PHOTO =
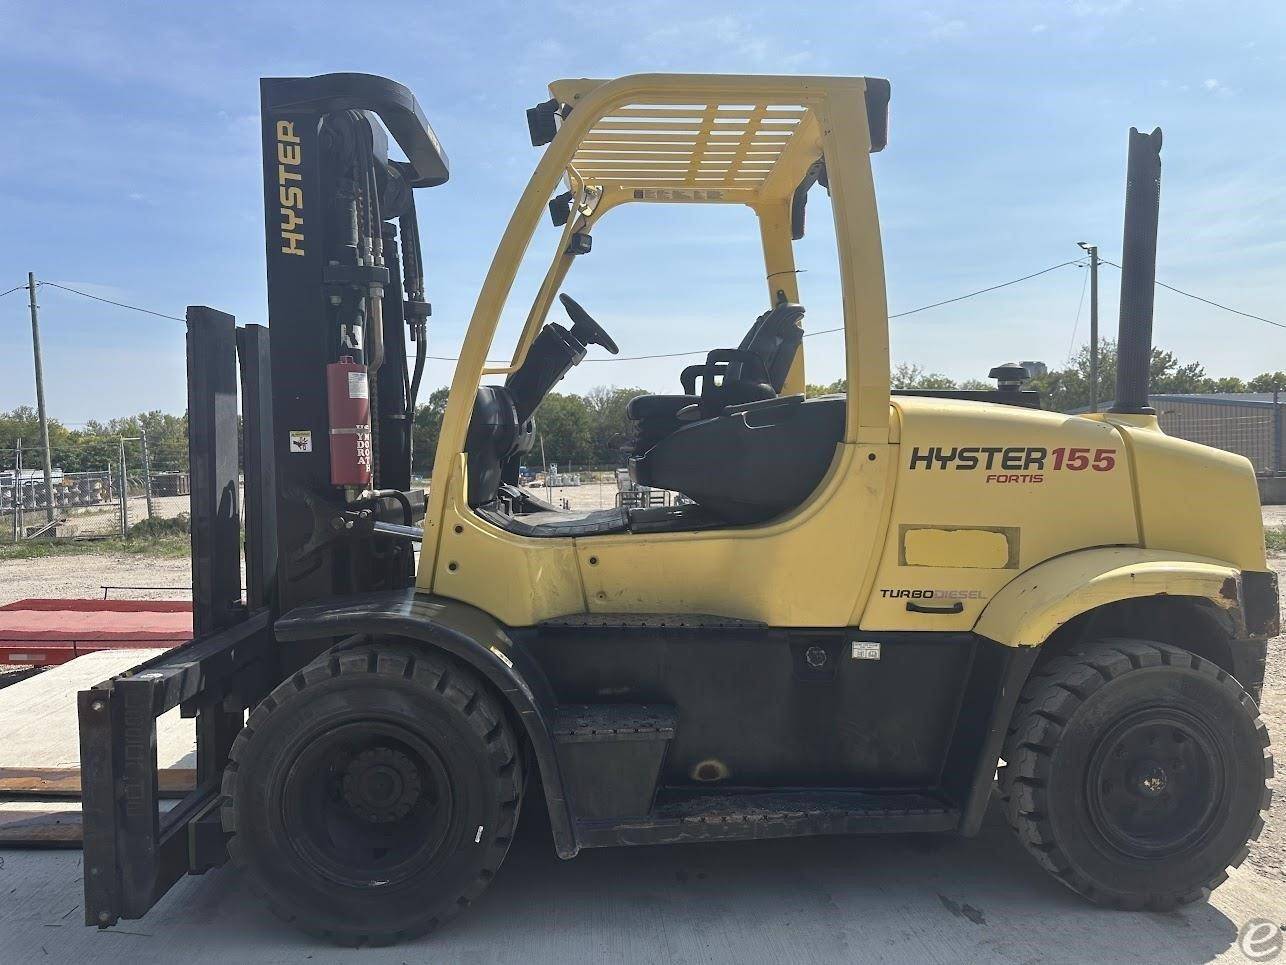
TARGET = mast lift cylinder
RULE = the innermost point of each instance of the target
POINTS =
(348, 400)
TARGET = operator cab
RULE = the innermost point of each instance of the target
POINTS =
(734, 447)
(740, 444)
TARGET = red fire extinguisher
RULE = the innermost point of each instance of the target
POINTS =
(348, 400)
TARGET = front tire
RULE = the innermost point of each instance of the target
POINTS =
(1136, 773)
(373, 795)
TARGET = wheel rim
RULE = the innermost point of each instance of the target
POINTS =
(1156, 783)
(368, 804)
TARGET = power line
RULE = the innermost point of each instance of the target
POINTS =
(1079, 305)
(133, 308)
(823, 331)
(12, 290)
(980, 291)
(1207, 301)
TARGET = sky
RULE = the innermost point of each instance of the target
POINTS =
(131, 171)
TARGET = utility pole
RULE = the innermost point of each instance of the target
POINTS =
(1092, 251)
(124, 494)
(147, 473)
(1278, 463)
(19, 528)
(40, 398)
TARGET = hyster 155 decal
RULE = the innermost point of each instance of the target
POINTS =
(1013, 464)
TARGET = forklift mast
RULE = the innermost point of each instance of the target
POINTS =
(340, 302)
(325, 453)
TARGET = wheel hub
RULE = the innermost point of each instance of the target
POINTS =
(1156, 783)
(381, 785)
(1150, 779)
(368, 801)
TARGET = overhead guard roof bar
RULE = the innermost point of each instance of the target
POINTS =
(730, 147)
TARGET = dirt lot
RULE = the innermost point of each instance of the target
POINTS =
(83, 577)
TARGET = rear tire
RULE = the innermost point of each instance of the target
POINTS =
(1136, 773)
(373, 795)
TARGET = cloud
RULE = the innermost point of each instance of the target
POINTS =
(1099, 8)
(1039, 28)
(942, 28)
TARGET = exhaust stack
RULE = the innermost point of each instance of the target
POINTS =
(1138, 272)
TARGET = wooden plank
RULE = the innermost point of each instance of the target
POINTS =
(64, 782)
(39, 829)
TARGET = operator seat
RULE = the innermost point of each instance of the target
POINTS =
(751, 462)
(755, 370)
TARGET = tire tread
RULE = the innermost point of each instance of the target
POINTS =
(479, 709)
(1052, 695)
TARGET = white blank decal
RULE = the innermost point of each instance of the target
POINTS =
(478, 837)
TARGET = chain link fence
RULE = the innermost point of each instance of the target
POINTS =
(1251, 427)
(111, 501)
(583, 488)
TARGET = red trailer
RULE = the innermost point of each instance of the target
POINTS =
(48, 632)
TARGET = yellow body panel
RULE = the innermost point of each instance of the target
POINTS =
(1195, 498)
(519, 581)
(1036, 604)
(936, 514)
(808, 568)
(1037, 513)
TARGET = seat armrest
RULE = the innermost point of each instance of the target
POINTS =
(759, 371)
(688, 377)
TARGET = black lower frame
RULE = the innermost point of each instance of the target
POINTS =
(772, 732)
(133, 852)
(617, 710)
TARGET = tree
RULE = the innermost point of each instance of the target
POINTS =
(425, 429)
(1229, 383)
(611, 429)
(908, 376)
(1267, 381)
(566, 427)
(837, 387)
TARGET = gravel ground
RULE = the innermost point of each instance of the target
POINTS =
(1268, 854)
(83, 577)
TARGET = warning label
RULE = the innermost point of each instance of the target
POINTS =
(301, 440)
(357, 388)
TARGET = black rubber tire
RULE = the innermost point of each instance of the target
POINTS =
(1069, 707)
(421, 693)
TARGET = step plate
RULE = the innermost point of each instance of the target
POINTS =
(580, 723)
(724, 817)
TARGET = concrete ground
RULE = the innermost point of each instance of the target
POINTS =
(896, 899)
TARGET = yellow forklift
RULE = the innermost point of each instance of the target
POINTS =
(870, 612)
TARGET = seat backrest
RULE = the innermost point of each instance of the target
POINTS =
(493, 435)
(775, 337)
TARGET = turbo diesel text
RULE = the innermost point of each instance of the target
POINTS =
(1017, 464)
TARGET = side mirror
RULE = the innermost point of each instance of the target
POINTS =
(542, 122)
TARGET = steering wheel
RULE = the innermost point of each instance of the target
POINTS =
(584, 327)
